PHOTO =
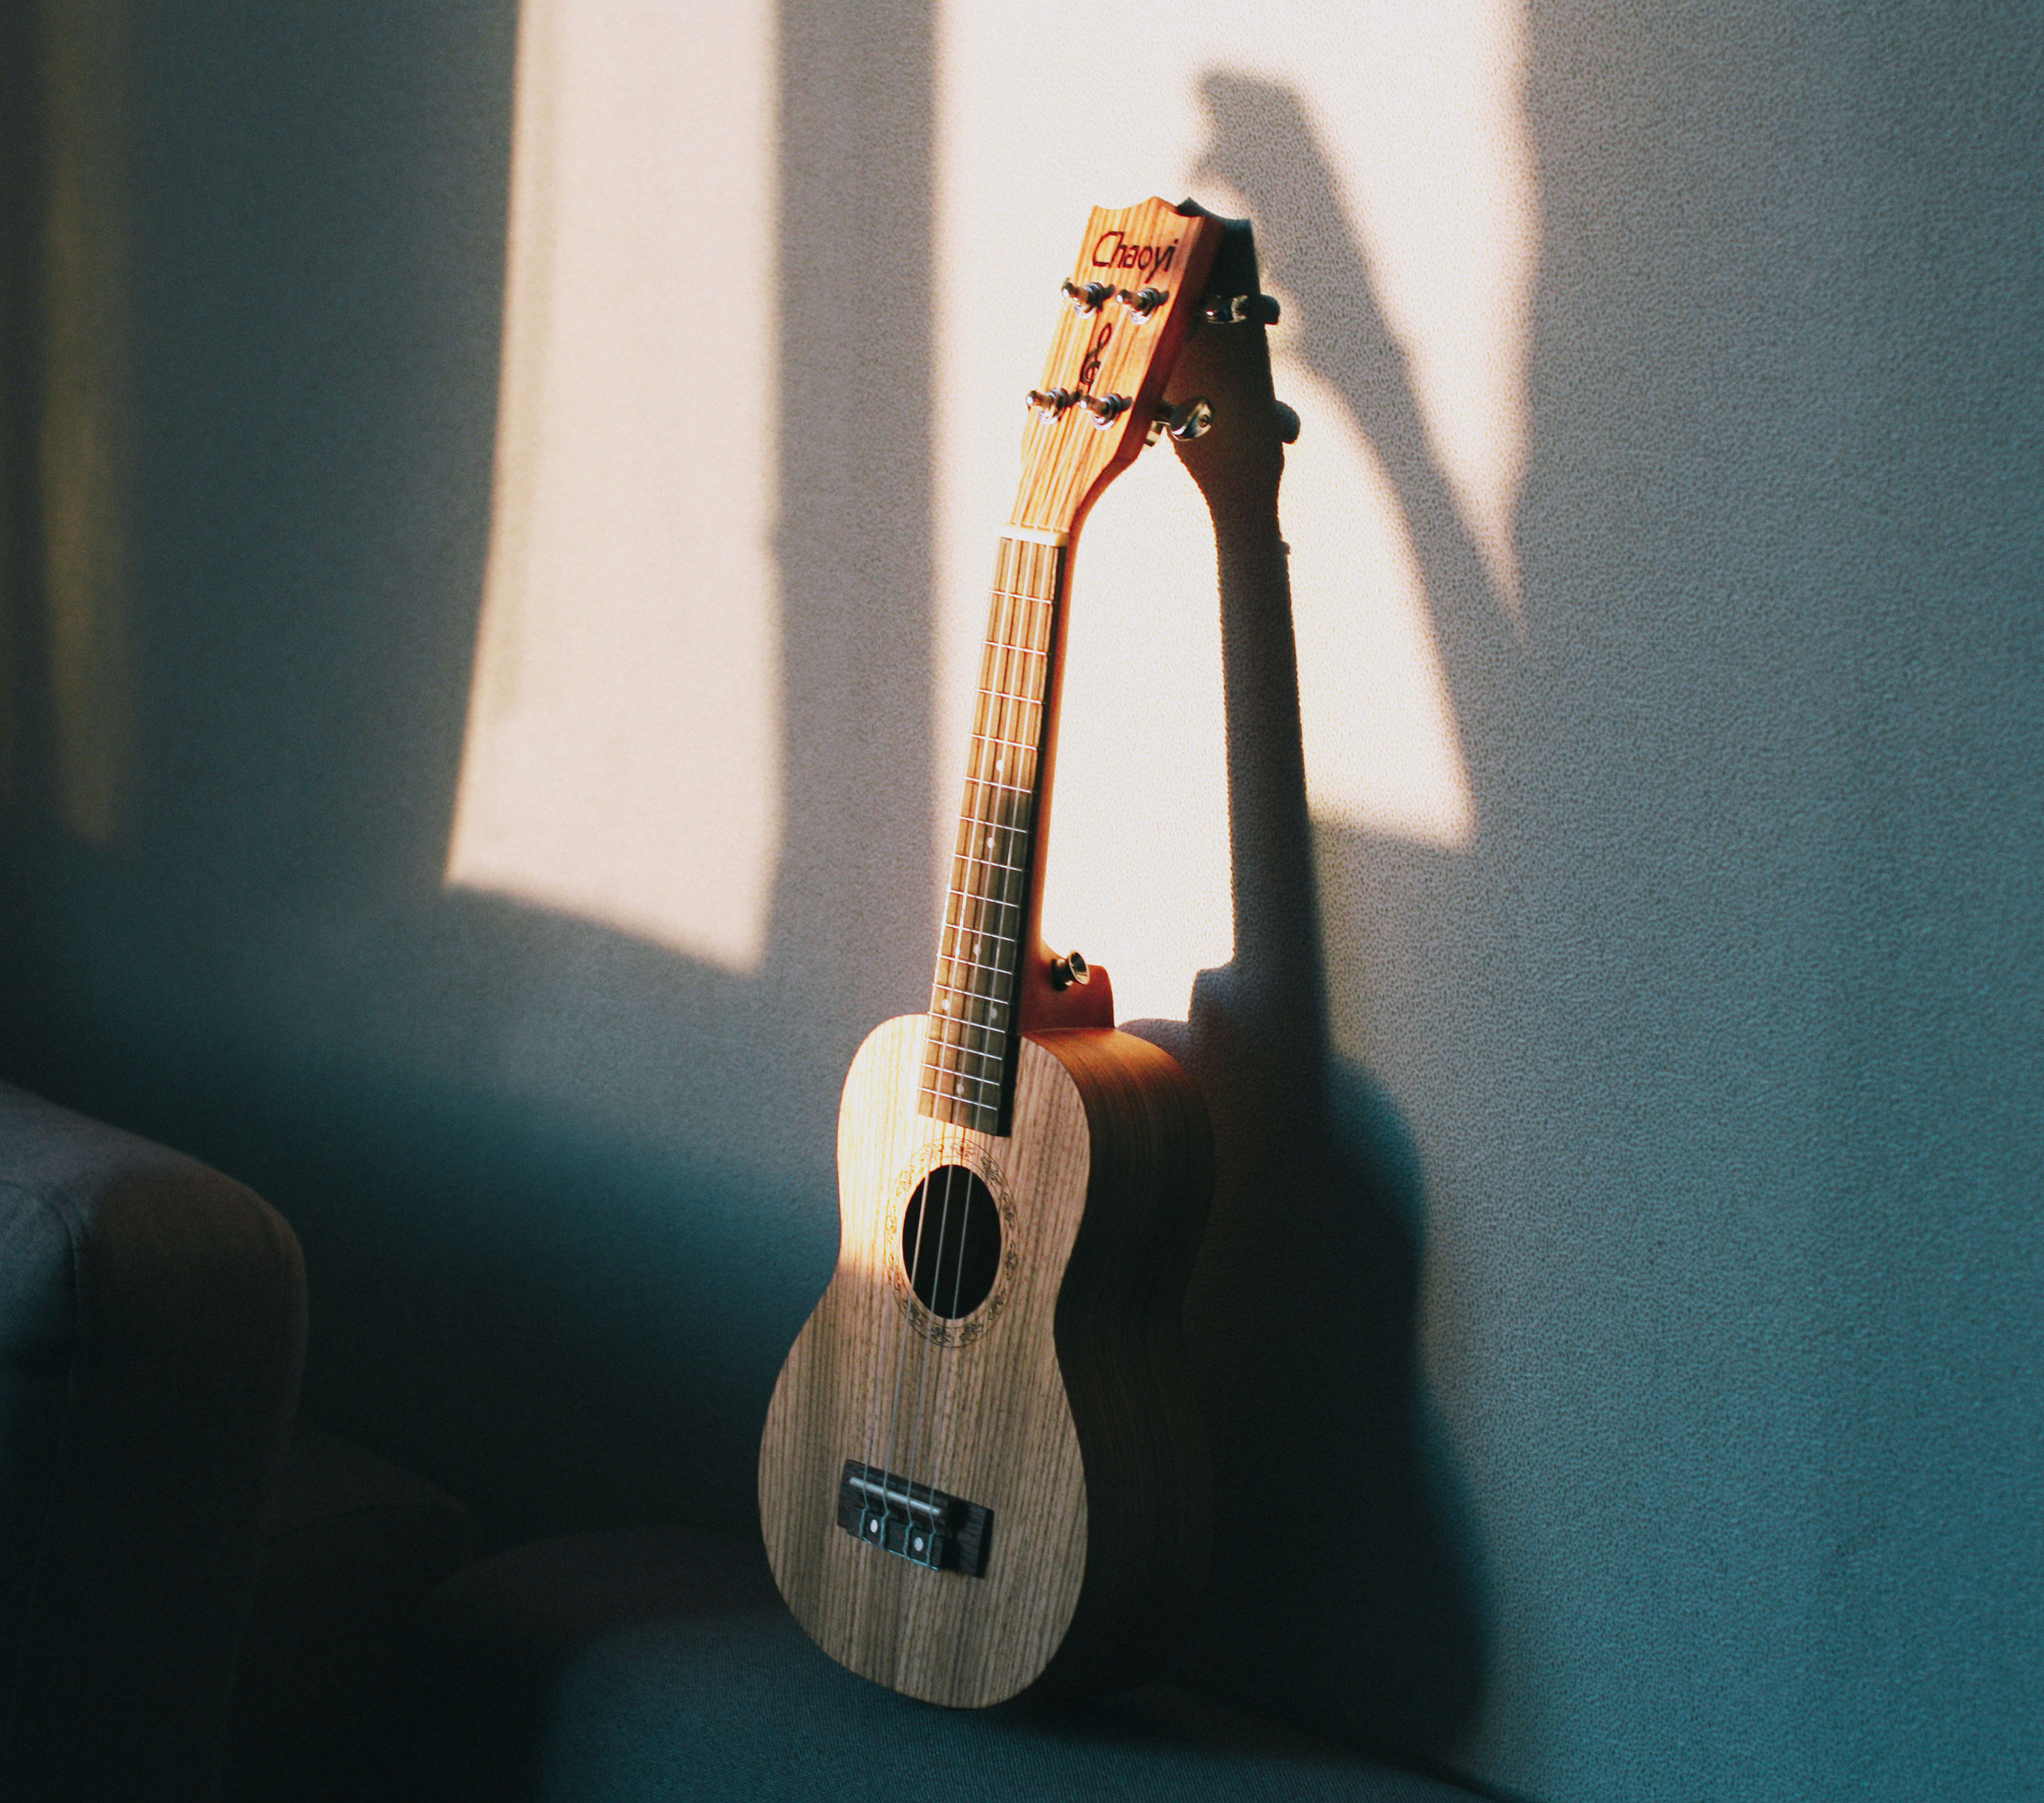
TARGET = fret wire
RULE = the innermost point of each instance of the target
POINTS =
(944, 1069)
(1016, 744)
(1002, 723)
(994, 1058)
(950, 1100)
(980, 831)
(988, 933)
(954, 954)
(955, 922)
(980, 875)
(983, 1032)
(984, 929)
(995, 775)
(984, 766)
(982, 934)
(976, 1019)
(985, 1029)
(952, 918)
(990, 1064)
(943, 1050)
(981, 928)
(964, 882)
(969, 1006)
(994, 832)
(994, 1036)
(991, 1050)
(968, 990)
(972, 1024)
(956, 961)
(1019, 647)
(986, 863)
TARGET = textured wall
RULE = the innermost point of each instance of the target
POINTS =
(1659, 1263)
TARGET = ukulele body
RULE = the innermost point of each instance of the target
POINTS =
(1046, 1435)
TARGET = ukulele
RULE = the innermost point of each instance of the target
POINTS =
(983, 1472)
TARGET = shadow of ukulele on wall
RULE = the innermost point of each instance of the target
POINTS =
(1346, 1592)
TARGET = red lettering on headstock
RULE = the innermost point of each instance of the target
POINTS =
(1145, 259)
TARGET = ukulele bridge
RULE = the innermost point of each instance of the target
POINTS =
(915, 1521)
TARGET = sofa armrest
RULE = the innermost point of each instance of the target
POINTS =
(152, 1319)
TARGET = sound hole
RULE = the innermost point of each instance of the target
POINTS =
(950, 1242)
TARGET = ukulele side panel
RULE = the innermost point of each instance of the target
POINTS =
(983, 1418)
(1121, 1349)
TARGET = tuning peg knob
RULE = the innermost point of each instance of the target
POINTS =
(1087, 299)
(1070, 969)
(1106, 407)
(1050, 402)
(1240, 309)
(1143, 302)
(1288, 424)
(1189, 420)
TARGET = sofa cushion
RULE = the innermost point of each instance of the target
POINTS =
(351, 1549)
(659, 1663)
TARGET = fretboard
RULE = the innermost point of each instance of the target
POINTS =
(969, 1067)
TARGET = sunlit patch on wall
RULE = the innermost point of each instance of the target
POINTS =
(622, 759)
(1382, 753)
(1384, 151)
(81, 654)
(1138, 830)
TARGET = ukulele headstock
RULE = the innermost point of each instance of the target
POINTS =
(1136, 288)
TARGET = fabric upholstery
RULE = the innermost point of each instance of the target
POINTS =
(153, 1320)
(659, 1663)
(351, 1549)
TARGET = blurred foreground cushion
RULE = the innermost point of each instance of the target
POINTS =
(351, 1550)
(659, 1663)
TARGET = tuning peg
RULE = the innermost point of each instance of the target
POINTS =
(1143, 303)
(1068, 969)
(1288, 424)
(1051, 403)
(1104, 407)
(1189, 420)
(1087, 299)
(1240, 309)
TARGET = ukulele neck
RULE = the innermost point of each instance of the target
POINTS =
(989, 911)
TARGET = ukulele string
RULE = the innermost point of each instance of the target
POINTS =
(1021, 692)
(1000, 704)
(933, 1350)
(980, 796)
(888, 1249)
(887, 1472)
